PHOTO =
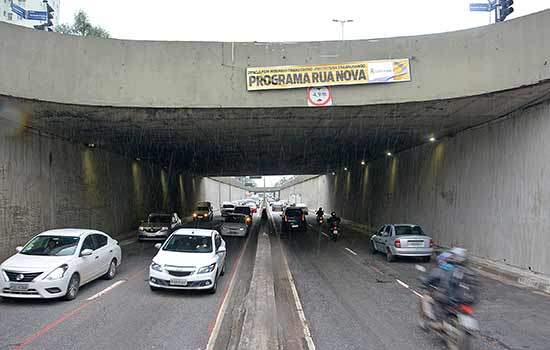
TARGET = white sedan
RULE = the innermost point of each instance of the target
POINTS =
(189, 259)
(56, 263)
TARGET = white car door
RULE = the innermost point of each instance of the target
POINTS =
(87, 263)
(220, 243)
(386, 237)
(104, 252)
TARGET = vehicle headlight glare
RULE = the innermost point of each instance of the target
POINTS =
(141, 228)
(156, 267)
(207, 269)
(57, 273)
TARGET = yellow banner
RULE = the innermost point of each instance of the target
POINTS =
(290, 77)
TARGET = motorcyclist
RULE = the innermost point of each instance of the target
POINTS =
(334, 219)
(447, 281)
(320, 212)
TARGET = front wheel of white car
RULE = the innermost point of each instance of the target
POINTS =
(72, 287)
(214, 286)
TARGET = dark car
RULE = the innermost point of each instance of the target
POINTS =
(294, 219)
(158, 226)
(243, 209)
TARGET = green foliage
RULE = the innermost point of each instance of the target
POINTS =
(82, 27)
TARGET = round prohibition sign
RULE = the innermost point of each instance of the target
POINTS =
(319, 96)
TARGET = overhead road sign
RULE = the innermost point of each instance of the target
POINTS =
(480, 7)
(18, 10)
(291, 77)
(37, 15)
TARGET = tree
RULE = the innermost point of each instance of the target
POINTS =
(82, 27)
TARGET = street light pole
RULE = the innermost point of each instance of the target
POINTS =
(342, 22)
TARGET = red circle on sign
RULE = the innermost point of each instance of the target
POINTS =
(316, 103)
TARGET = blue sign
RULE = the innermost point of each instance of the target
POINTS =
(481, 7)
(18, 10)
(37, 15)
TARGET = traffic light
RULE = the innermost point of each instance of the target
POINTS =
(49, 16)
(505, 9)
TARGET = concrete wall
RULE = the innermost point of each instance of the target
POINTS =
(90, 71)
(47, 183)
(486, 189)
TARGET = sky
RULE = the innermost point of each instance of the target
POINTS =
(281, 20)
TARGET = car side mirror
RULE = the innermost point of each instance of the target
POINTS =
(86, 252)
(158, 245)
(221, 249)
(19, 249)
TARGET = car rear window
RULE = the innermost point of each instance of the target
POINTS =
(228, 206)
(294, 212)
(408, 230)
(242, 210)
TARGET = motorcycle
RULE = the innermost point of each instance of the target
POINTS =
(457, 328)
(320, 219)
(334, 231)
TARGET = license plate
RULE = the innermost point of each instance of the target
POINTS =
(294, 226)
(416, 244)
(468, 322)
(335, 232)
(178, 282)
(19, 286)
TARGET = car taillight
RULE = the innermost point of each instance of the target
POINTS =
(303, 217)
(465, 309)
(431, 243)
(285, 218)
(397, 243)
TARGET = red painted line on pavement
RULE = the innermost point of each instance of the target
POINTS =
(46, 329)
(60, 320)
(222, 299)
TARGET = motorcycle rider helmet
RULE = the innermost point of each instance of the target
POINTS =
(458, 255)
(442, 258)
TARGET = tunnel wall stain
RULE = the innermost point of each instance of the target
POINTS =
(486, 189)
(48, 183)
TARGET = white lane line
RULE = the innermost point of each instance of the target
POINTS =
(351, 251)
(106, 290)
(324, 234)
(409, 288)
(402, 283)
(305, 327)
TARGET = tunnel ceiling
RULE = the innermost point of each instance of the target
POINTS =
(244, 141)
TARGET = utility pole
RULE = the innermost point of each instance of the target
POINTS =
(342, 22)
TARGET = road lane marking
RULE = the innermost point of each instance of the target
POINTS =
(403, 284)
(106, 290)
(49, 327)
(351, 251)
(215, 325)
(324, 234)
(301, 314)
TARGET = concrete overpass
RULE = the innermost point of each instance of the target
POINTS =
(186, 103)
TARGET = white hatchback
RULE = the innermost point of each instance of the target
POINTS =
(56, 263)
(189, 259)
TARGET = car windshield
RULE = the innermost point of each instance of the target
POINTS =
(51, 246)
(160, 219)
(242, 210)
(202, 208)
(189, 244)
(235, 218)
(408, 230)
(294, 212)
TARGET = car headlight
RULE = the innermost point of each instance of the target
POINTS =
(242, 229)
(156, 267)
(3, 276)
(141, 228)
(164, 228)
(194, 215)
(207, 269)
(58, 273)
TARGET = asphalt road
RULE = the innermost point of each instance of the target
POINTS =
(130, 316)
(352, 299)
